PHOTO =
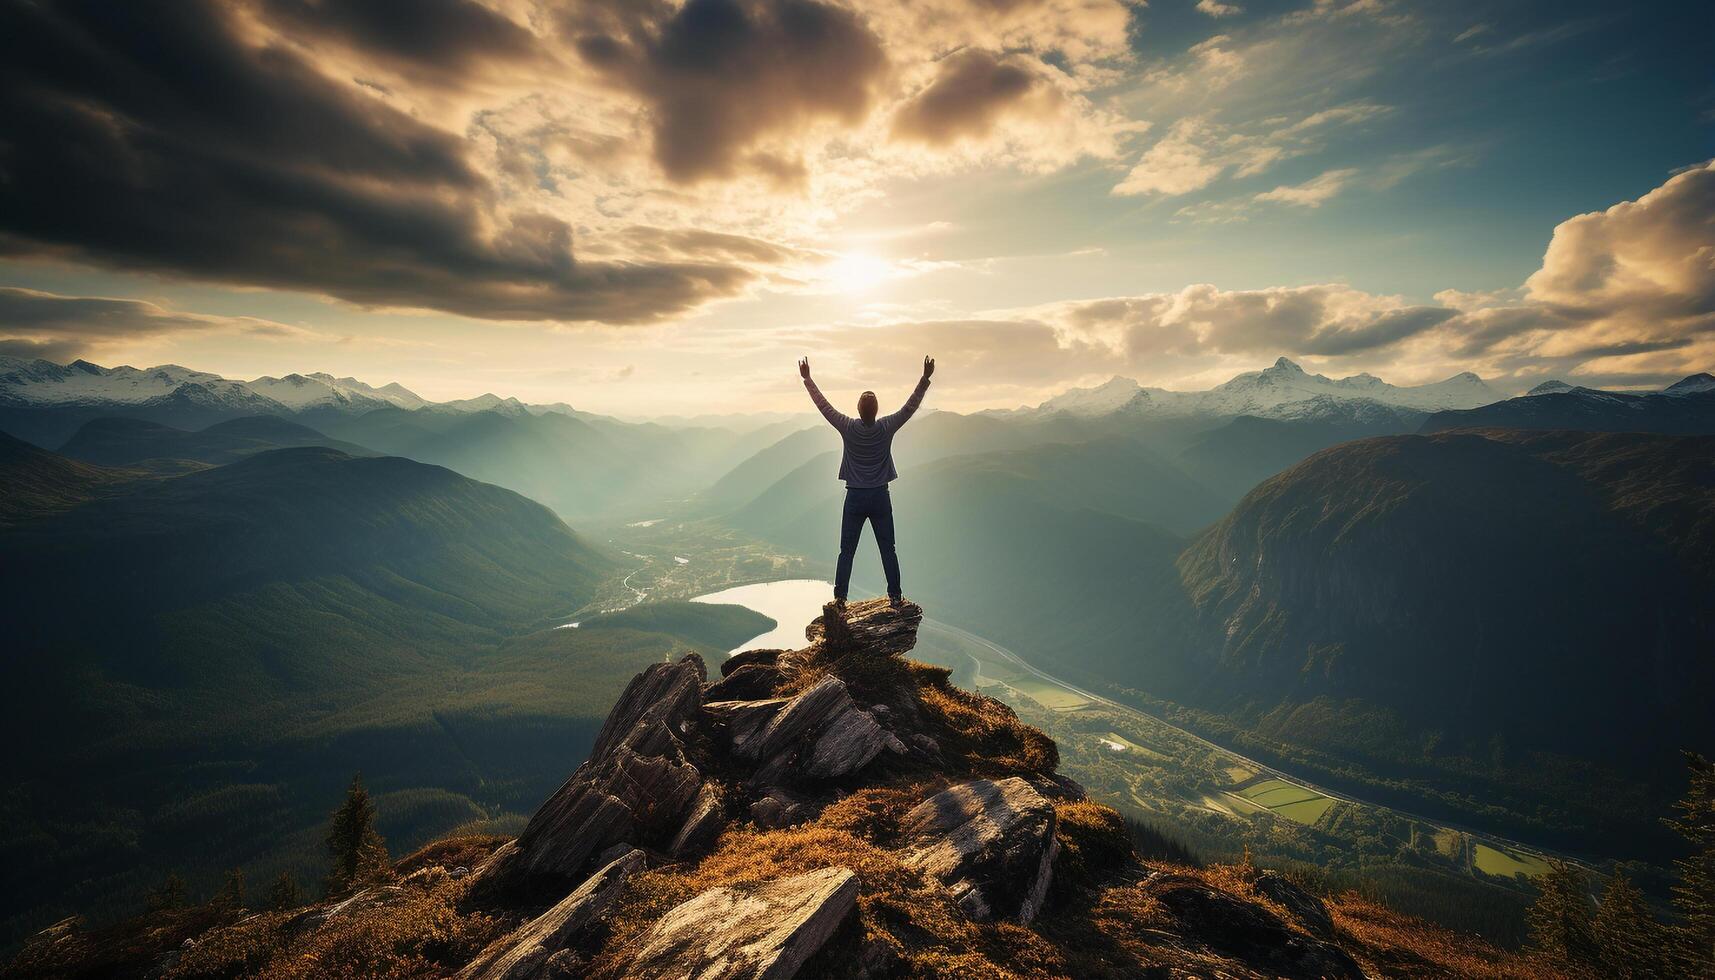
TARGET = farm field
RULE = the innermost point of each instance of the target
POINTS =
(1153, 769)
(1506, 862)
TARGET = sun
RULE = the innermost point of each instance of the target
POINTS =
(854, 272)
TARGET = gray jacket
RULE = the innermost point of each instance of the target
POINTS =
(868, 457)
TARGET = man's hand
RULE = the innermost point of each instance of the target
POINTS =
(804, 368)
(928, 366)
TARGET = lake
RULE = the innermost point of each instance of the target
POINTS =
(791, 604)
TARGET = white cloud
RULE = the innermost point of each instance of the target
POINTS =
(1313, 193)
(1198, 151)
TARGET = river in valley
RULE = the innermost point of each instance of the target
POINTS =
(791, 604)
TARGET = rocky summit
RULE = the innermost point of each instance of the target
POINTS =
(837, 810)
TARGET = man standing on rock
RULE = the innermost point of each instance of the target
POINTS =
(867, 467)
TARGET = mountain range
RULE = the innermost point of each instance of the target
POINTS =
(1279, 391)
(198, 661)
(1685, 407)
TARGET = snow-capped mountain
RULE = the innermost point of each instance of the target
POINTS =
(1103, 399)
(1691, 385)
(1283, 390)
(80, 382)
(486, 402)
(46, 384)
(303, 391)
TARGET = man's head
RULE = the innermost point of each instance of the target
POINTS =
(868, 406)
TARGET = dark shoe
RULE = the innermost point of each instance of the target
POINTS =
(839, 605)
(896, 601)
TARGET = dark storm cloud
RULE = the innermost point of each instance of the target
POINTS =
(971, 90)
(48, 325)
(721, 76)
(438, 35)
(148, 135)
(47, 350)
(1381, 331)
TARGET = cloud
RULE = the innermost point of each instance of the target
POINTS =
(1197, 151)
(1625, 292)
(1649, 258)
(1178, 163)
(154, 136)
(437, 40)
(970, 92)
(41, 324)
(1313, 193)
(1215, 8)
(721, 77)
(1327, 319)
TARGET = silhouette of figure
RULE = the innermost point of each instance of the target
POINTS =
(867, 467)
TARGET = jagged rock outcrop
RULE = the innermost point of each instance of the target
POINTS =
(873, 626)
(1224, 924)
(525, 953)
(1309, 911)
(703, 824)
(747, 658)
(751, 682)
(820, 733)
(750, 932)
(990, 842)
(638, 786)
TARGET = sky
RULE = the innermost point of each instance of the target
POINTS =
(653, 207)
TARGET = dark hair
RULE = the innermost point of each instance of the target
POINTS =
(868, 406)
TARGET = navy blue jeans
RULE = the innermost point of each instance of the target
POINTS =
(870, 504)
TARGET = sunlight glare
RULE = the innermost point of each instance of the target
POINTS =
(855, 272)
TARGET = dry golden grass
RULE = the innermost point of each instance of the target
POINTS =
(1390, 944)
(416, 932)
(982, 735)
(451, 852)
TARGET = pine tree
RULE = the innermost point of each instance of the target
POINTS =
(1694, 895)
(359, 853)
(171, 894)
(1560, 926)
(232, 892)
(1628, 939)
(284, 894)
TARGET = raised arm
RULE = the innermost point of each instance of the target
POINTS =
(829, 412)
(909, 409)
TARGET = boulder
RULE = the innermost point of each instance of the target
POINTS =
(524, 953)
(704, 823)
(820, 734)
(1309, 911)
(748, 657)
(748, 683)
(748, 932)
(810, 710)
(780, 807)
(851, 739)
(638, 784)
(1248, 932)
(873, 625)
(742, 721)
(991, 842)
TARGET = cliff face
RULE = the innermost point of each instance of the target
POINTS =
(832, 811)
(1441, 576)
